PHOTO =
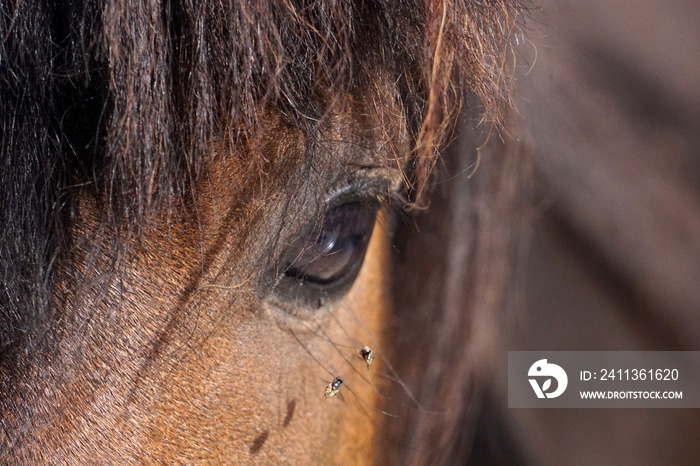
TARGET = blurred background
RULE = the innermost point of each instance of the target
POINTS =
(610, 109)
(577, 228)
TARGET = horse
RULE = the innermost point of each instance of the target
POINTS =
(190, 264)
(265, 232)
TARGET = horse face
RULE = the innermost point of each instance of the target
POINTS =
(218, 330)
(191, 265)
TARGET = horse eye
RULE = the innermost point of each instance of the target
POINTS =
(335, 248)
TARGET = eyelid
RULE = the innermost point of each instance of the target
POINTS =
(358, 190)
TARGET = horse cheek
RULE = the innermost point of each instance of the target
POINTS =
(364, 316)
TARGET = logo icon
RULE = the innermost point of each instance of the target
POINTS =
(542, 369)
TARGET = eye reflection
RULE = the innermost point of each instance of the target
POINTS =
(335, 248)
